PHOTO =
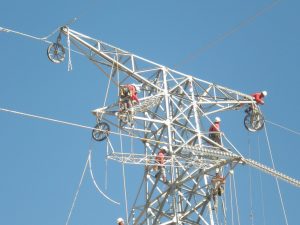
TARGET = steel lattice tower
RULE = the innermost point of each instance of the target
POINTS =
(174, 111)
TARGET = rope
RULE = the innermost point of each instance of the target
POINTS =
(106, 164)
(283, 127)
(123, 165)
(94, 181)
(77, 192)
(223, 36)
(277, 183)
(68, 123)
(261, 186)
(231, 204)
(44, 39)
(236, 201)
(250, 186)
(69, 51)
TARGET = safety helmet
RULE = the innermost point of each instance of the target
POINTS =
(119, 220)
(217, 119)
(265, 93)
(138, 89)
(165, 148)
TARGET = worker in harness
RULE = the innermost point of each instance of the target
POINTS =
(128, 96)
(214, 131)
(217, 189)
(160, 161)
(258, 97)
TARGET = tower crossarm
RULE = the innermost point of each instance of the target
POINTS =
(181, 87)
(272, 172)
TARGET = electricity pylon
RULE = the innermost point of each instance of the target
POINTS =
(175, 110)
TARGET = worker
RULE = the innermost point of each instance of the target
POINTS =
(258, 97)
(214, 131)
(160, 160)
(128, 96)
(134, 90)
(120, 221)
(217, 183)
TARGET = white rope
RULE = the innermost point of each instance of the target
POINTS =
(60, 121)
(231, 201)
(123, 166)
(283, 127)
(277, 183)
(95, 183)
(44, 39)
(250, 185)
(69, 51)
(77, 192)
(261, 185)
(106, 164)
(236, 200)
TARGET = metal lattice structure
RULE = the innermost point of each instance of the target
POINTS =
(175, 110)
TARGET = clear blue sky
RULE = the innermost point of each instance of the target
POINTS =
(41, 162)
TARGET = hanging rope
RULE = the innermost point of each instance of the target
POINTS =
(236, 200)
(231, 204)
(77, 192)
(95, 183)
(277, 183)
(250, 185)
(69, 51)
(106, 161)
(261, 186)
(123, 166)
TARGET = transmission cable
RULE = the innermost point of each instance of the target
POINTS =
(226, 34)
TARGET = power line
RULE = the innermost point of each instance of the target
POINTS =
(223, 36)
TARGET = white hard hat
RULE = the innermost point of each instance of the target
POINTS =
(217, 119)
(164, 148)
(217, 170)
(137, 88)
(265, 93)
(119, 220)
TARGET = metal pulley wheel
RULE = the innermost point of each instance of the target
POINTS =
(101, 131)
(254, 121)
(56, 52)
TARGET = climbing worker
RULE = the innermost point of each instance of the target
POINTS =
(160, 160)
(128, 96)
(125, 99)
(134, 90)
(259, 97)
(217, 183)
(120, 221)
(214, 131)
